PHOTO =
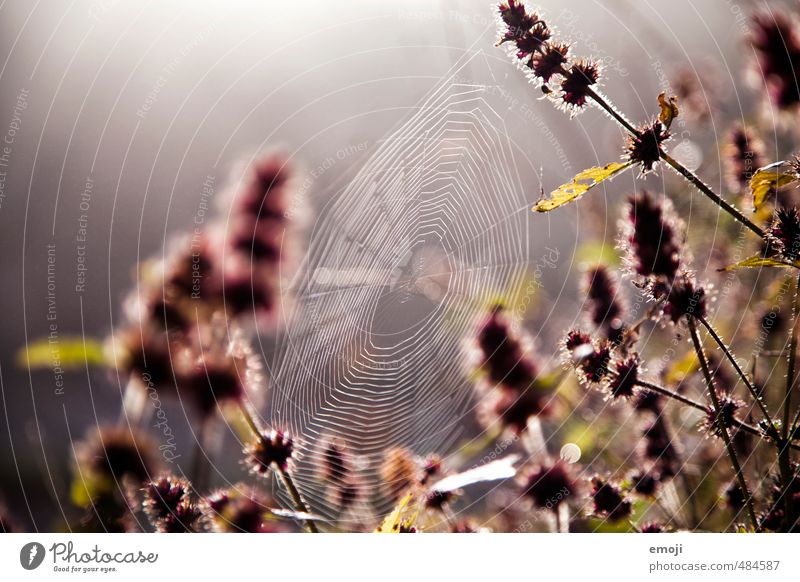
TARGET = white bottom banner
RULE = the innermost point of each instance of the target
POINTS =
(378, 558)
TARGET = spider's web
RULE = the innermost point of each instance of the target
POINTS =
(399, 267)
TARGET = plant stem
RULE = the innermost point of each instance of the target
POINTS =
(784, 452)
(677, 166)
(713, 196)
(698, 406)
(285, 478)
(723, 429)
(754, 393)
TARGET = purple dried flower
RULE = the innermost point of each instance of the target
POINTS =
(577, 83)
(605, 308)
(272, 447)
(645, 483)
(652, 527)
(624, 376)
(645, 148)
(549, 62)
(608, 500)
(503, 355)
(550, 484)
(743, 155)
(654, 248)
(168, 504)
(785, 233)
(777, 46)
(239, 511)
(728, 407)
(685, 299)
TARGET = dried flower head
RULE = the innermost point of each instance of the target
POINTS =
(577, 340)
(512, 409)
(399, 471)
(503, 354)
(652, 527)
(112, 454)
(169, 505)
(644, 148)
(549, 61)
(728, 407)
(609, 502)
(661, 448)
(785, 233)
(623, 377)
(577, 83)
(239, 510)
(654, 249)
(593, 367)
(775, 40)
(273, 447)
(645, 483)
(605, 305)
(743, 155)
(685, 298)
(550, 484)
(516, 20)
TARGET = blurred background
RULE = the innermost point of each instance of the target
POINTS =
(120, 118)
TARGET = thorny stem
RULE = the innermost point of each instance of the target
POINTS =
(723, 429)
(698, 406)
(705, 189)
(712, 332)
(784, 456)
(690, 176)
(285, 478)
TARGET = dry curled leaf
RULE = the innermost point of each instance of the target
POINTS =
(579, 185)
(669, 109)
(771, 177)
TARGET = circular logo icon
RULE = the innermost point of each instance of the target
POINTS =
(31, 555)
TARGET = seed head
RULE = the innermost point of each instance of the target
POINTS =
(512, 409)
(168, 504)
(117, 453)
(577, 83)
(652, 527)
(660, 447)
(785, 233)
(605, 308)
(608, 500)
(645, 483)
(438, 499)
(728, 407)
(645, 148)
(775, 40)
(550, 484)
(624, 376)
(685, 298)
(517, 22)
(239, 510)
(652, 236)
(743, 155)
(549, 62)
(273, 447)
(503, 354)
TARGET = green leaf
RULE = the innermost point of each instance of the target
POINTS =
(759, 261)
(771, 177)
(580, 184)
(68, 353)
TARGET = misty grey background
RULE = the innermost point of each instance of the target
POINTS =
(149, 99)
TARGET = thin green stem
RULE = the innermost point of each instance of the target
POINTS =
(723, 429)
(750, 387)
(284, 476)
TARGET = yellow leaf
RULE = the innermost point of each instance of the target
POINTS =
(580, 184)
(759, 261)
(669, 109)
(770, 177)
(393, 521)
(66, 353)
(682, 369)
